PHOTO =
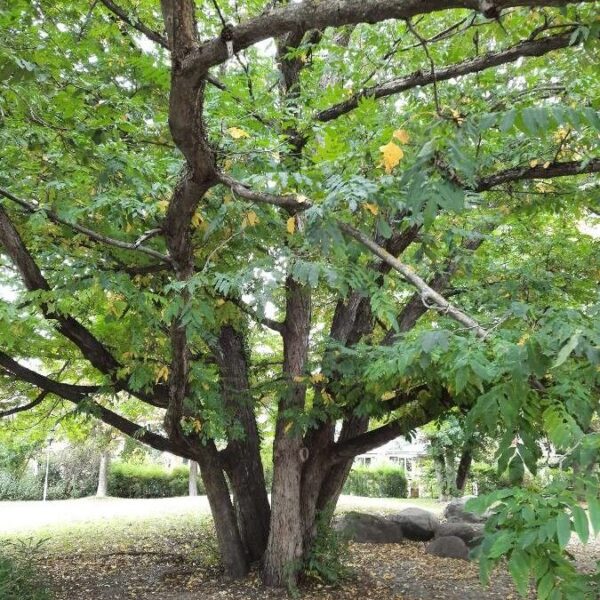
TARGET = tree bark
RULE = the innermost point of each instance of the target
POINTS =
(231, 548)
(193, 479)
(242, 457)
(102, 490)
(285, 546)
(463, 470)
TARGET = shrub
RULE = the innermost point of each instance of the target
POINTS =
(24, 487)
(18, 580)
(128, 480)
(379, 482)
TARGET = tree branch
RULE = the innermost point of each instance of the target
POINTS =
(426, 292)
(33, 208)
(78, 394)
(473, 65)
(335, 13)
(292, 203)
(17, 409)
(552, 170)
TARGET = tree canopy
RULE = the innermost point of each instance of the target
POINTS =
(329, 222)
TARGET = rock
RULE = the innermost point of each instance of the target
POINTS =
(448, 546)
(470, 533)
(417, 524)
(455, 512)
(368, 529)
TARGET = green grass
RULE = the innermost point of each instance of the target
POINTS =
(18, 577)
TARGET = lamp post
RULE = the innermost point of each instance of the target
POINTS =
(50, 440)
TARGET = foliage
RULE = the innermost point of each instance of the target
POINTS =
(131, 241)
(128, 480)
(531, 529)
(24, 486)
(18, 579)
(377, 482)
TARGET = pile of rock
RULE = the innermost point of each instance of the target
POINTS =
(461, 531)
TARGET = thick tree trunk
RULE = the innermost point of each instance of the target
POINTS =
(231, 548)
(242, 459)
(102, 490)
(285, 547)
(193, 479)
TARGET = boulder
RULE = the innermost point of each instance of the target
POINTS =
(417, 524)
(470, 533)
(365, 528)
(455, 512)
(448, 546)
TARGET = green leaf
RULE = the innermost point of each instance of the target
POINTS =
(581, 524)
(563, 529)
(594, 512)
(567, 349)
(518, 567)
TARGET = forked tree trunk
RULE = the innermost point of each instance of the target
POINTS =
(102, 490)
(193, 479)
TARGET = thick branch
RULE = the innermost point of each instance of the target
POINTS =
(426, 292)
(551, 171)
(334, 13)
(473, 65)
(79, 393)
(32, 208)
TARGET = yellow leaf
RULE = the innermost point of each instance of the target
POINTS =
(392, 155)
(236, 133)
(302, 199)
(163, 205)
(523, 339)
(197, 425)
(287, 427)
(388, 395)
(402, 136)
(317, 378)
(546, 164)
(227, 198)
(251, 218)
(533, 163)
(220, 302)
(197, 219)
(372, 208)
(298, 379)
(162, 373)
(291, 225)
(326, 396)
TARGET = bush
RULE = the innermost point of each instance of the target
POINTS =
(25, 487)
(380, 482)
(128, 480)
(18, 580)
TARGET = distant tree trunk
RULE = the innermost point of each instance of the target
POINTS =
(103, 475)
(439, 461)
(193, 478)
(464, 467)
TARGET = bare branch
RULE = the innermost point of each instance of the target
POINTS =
(17, 409)
(98, 237)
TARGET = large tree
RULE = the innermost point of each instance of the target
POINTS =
(352, 216)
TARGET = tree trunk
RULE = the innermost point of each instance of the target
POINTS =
(193, 479)
(102, 490)
(242, 458)
(283, 558)
(231, 548)
(463, 470)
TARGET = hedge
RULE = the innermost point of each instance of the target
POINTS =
(128, 480)
(379, 482)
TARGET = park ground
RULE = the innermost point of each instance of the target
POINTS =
(165, 548)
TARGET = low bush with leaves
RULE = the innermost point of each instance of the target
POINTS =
(18, 579)
(380, 482)
(148, 481)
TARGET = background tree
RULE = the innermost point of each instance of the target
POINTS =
(374, 216)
